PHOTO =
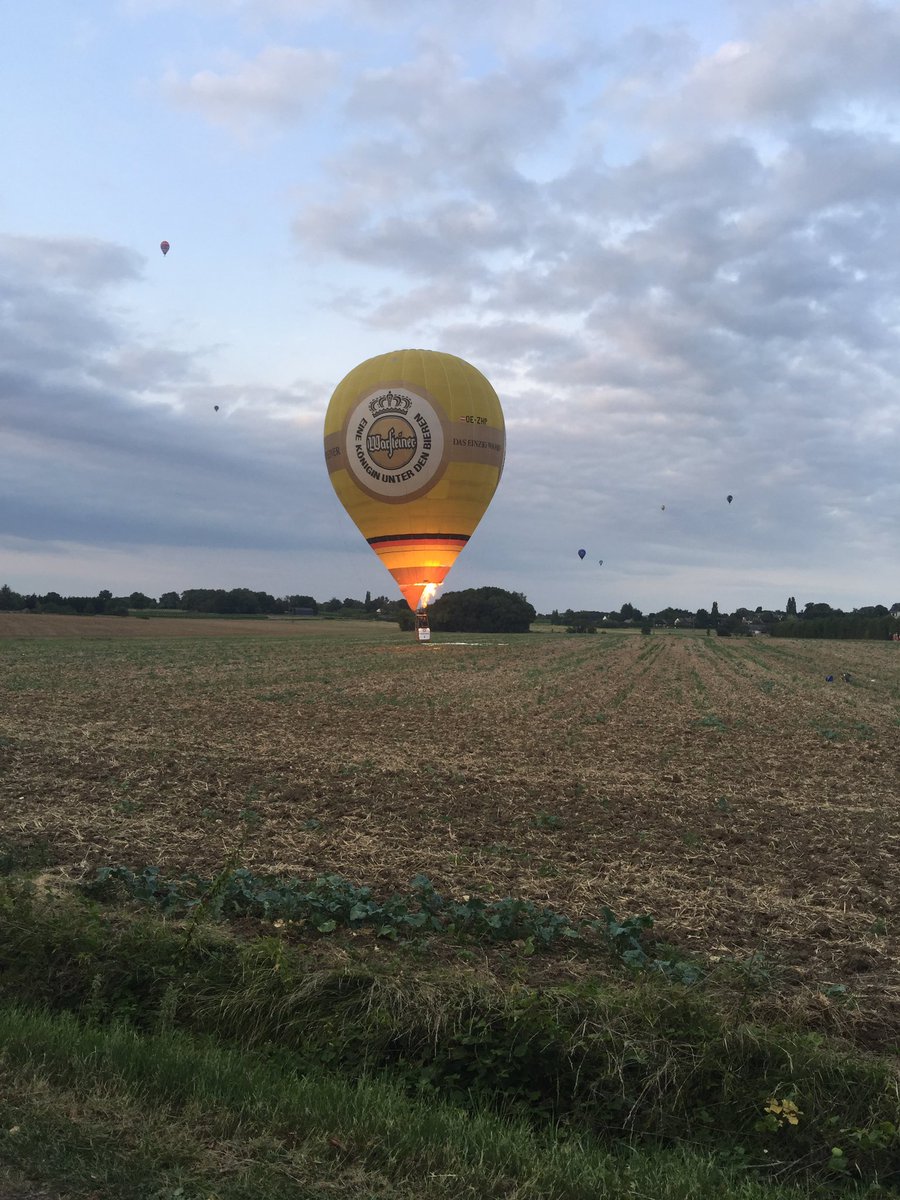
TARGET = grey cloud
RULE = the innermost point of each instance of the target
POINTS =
(824, 169)
(452, 116)
(46, 290)
(501, 342)
(453, 232)
(280, 85)
(48, 331)
(535, 21)
(86, 264)
(803, 60)
(140, 369)
(437, 128)
(84, 457)
(453, 291)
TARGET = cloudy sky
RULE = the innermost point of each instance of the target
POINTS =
(667, 232)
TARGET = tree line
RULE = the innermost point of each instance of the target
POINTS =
(487, 609)
(814, 620)
(219, 601)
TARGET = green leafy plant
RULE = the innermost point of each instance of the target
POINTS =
(545, 820)
(712, 722)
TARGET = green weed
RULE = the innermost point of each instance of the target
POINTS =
(712, 722)
(547, 821)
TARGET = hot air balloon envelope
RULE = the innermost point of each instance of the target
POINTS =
(729, 498)
(582, 553)
(414, 445)
(164, 246)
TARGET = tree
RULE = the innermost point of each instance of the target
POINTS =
(668, 616)
(10, 601)
(203, 600)
(791, 607)
(384, 606)
(295, 602)
(714, 613)
(481, 610)
(811, 611)
(99, 603)
(702, 618)
(170, 600)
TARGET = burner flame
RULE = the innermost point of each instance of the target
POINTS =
(428, 594)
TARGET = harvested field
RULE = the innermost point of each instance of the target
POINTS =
(721, 785)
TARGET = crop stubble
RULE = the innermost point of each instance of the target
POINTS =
(722, 786)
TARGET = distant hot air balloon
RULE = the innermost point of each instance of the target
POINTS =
(164, 246)
(662, 508)
(729, 498)
(215, 408)
(582, 553)
(414, 444)
(601, 562)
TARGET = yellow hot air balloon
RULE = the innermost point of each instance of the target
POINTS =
(414, 444)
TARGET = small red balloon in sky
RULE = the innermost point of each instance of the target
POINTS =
(164, 246)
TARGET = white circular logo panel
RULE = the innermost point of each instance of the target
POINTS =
(394, 442)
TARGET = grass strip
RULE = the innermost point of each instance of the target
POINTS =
(115, 1112)
(642, 1058)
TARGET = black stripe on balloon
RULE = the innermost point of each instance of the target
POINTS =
(420, 537)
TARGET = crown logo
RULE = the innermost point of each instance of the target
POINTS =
(389, 402)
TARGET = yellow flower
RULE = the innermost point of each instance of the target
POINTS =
(791, 1112)
(785, 1111)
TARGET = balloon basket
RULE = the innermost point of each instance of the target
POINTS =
(423, 633)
